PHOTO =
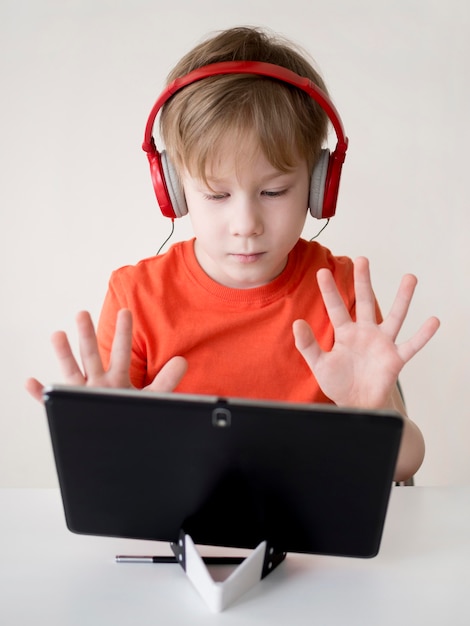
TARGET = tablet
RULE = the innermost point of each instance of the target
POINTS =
(228, 472)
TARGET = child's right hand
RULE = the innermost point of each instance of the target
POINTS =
(93, 374)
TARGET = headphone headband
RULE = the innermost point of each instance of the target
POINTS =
(330, 184)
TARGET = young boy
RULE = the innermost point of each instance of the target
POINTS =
(247, 308)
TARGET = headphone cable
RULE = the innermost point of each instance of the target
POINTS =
(168, 238)
(321, 230)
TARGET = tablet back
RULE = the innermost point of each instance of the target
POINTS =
(308, 478)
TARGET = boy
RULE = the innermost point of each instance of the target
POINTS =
(247, 308)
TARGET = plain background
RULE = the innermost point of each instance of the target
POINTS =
(78, 79)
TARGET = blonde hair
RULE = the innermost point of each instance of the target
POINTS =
(288, 124)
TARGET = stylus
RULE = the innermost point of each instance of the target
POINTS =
(208, 560)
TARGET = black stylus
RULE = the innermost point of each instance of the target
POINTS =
(208, 560)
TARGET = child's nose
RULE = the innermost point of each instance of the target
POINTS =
(246, 220)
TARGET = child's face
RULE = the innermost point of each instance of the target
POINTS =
(249, 219)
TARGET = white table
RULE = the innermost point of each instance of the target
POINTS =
(420, 577)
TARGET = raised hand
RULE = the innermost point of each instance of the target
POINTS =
(362, 368)
(92, 373)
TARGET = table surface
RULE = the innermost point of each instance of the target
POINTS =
(421, 575)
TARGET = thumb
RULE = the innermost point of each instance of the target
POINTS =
(170, 375)
(305, 342)
(34, 388)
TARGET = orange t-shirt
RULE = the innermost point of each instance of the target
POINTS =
(238, 342)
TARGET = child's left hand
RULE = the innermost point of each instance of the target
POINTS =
(363, 366)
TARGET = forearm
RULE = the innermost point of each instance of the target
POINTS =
(412, 446)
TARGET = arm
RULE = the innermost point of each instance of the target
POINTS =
(363, 366)
(93, 373)
(412, 447)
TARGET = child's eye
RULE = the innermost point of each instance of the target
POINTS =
(273, 194)
(215, 196)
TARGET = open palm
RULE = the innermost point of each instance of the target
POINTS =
(362, 368)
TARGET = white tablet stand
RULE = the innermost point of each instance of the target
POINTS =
(219, 595)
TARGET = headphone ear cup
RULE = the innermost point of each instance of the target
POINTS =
(159, 184)
(173, 186)
(318, 184)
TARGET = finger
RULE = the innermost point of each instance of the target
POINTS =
(409, 348)
(169, 377)
(365, 298)
(70, 369)
(88, 343)
(394, 320)
(334, 304)
(35, 389)
(120, 359)
(306, 343)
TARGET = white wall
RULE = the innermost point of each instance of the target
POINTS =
(78, 79)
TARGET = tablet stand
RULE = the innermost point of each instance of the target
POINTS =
(218, 595)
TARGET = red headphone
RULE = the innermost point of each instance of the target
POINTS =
(324, 185)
